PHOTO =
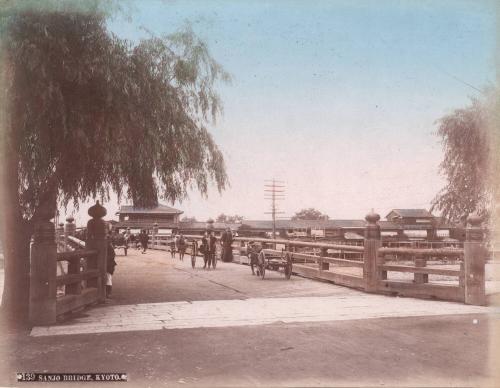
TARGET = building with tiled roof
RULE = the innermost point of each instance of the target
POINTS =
(134, 217)
(409, 215)
(401, 225)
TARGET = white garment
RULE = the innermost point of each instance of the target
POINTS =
(109, 279)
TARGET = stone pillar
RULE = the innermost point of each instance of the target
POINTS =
(324, 265)
(73, 265)
(154, 235)
(420, 278)
(43, 290)
(372, 244)
(60, 238)
(97, 240)
(69, 230)
(70, 227)
(474, 262)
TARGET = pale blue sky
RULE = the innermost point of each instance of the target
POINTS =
(337, 98)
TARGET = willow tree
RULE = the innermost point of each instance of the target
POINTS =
(468, 136)
(86, 113)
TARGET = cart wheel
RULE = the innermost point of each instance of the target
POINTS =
(288, 267)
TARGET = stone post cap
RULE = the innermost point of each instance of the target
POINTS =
(61, 224)
(97, 211)
(372, 217)
(475, 220)
(70, 219)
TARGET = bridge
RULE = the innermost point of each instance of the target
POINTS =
(346, 316)
(156, 292)
(73, 278)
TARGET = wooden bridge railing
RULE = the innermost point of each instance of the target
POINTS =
(417, 270)
(83, 280)
(385, 268)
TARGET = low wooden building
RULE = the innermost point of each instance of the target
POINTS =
(135, 219)
(401, 225)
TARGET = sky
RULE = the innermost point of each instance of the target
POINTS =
(338, 99)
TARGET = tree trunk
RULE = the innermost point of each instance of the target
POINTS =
(16, 245)
(16, 234)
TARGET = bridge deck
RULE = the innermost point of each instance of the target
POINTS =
(152, 291)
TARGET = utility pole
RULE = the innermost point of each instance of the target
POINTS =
(274, 190)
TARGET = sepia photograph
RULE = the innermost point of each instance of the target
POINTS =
(249, 193)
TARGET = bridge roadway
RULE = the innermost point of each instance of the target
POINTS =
(170, 325)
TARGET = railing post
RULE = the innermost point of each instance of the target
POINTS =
(372, 244)
(97, 240)
(324, 266)
(43, 291)
(474, 262)
(60, 239)
(420, 278)
(154, 235)
(69, 228)
(73, 265)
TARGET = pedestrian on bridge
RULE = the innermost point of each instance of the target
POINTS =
(181, 246)
(212, 242)
(172, 248)
(227, 248)
(144, 238)
(110, 268)
(204, 249)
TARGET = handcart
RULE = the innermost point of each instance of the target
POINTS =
(271, 260)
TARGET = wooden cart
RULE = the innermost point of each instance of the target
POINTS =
(273, 260)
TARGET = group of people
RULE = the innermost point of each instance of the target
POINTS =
(125, 239)
(208, 249)
(178, 244)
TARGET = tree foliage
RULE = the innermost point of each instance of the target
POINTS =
(309, 214)
(229, 219)
(85, 113)
(466, 136)
(91, 112)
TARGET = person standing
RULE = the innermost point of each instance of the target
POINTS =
(181, 246)
(110, 268)
(211, 249)
(204, 250)
(172, 248)
(126, 236)
(227, 248)
(144, 238)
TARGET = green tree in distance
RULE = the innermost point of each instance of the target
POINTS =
(86, 113)
(228, 219)
(467, 136)
(309, 214)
